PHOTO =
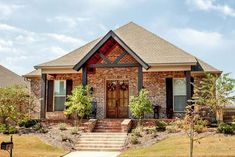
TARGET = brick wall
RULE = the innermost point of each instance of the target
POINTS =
(152, 81)
(98, 82)
(155, 83)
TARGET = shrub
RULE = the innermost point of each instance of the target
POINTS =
(79, 103)
(15, 103)
(200, 125)
(28, 123)
(161, 125)
(62, 126)
(178, 123)
(141, 105)
(198, 128)
(137, 131)
(172, 129)
(233, 118)
(75, 131)
(6, 129)
(226, 128)
(134, 139)
(150, 130)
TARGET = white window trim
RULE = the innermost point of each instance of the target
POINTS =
(178, 95)
(57, 95)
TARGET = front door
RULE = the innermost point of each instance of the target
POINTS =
(117, 98)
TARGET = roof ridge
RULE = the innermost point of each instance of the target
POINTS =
(160, 38)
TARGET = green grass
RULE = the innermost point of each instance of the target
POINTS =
(211, 146)
(30, 146)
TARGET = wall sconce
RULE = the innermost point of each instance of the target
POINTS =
(91, 91)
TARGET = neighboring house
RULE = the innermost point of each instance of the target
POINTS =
(117, 66)
(9, 78)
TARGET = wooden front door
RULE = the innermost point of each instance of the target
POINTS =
(117, 98)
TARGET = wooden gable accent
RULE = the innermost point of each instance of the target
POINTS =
(111, 54)
(102, 48)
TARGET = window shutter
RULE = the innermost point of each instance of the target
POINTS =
(69, 87)
(50, 90)
(169, 97)
(192, 87)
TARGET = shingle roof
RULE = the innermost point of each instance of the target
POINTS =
(203, 66)
(9, 78)
(151, 48)
(34, 73)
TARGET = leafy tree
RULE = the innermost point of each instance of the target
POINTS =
(141, 105)
(15, 103)
(79, 103)
(215, 92)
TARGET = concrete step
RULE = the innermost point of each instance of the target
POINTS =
(106, 142)
(101, 141)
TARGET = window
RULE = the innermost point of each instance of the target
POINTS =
(179, 91)
(59, 95)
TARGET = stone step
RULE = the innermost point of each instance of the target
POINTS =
(106, 142)
(108, 130)
(99, 149)
(106, 134)
(101, 145)
(101, 141)
(108, 127)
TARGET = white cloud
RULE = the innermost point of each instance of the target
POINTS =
(7, 10)
(65, 38)
(71, 22)
(55, 51)
(210, 5)
(195, 37)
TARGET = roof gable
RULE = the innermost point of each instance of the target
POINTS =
(110, 34)
(9, 78)
(151, 50)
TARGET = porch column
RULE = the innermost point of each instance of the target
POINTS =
(188, 85)
(43, 96)
(140, 77)
(84, 75)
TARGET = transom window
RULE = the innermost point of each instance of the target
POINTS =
(179, 93)
(59, 94)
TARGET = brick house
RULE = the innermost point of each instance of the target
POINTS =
(117, 66)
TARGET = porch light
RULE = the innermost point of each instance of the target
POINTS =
(91, 91)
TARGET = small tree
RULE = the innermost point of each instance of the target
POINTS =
(215, 92)
(14, 103)
(192, 119)
(78, 103)
(141, 105)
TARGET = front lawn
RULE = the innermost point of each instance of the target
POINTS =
(216, 145)
(30, 146)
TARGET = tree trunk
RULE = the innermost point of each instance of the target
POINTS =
(219, 115)
(191, 136)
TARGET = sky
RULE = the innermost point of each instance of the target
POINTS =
(36, 31)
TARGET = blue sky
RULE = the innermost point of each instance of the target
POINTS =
(35, 31)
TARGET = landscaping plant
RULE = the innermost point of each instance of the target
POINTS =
(226, 128)
(161, 125)
(141, 105)
(215, 92)
(192, 124)
(79, 103)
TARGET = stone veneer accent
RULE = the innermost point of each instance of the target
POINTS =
(35, 89)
